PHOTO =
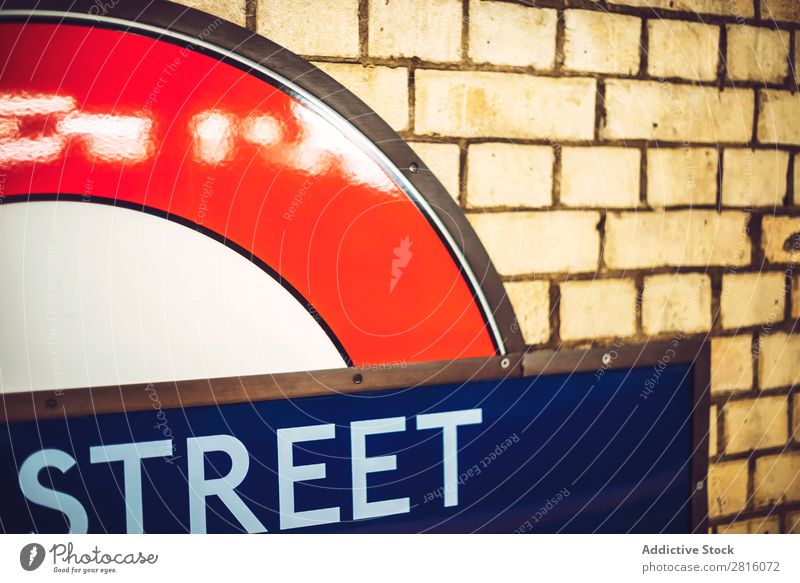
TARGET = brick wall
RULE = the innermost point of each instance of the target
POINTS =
(631, 167)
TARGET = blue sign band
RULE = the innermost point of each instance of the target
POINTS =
(587, 452)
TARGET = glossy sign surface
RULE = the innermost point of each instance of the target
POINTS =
(559, 453)
(97, 115)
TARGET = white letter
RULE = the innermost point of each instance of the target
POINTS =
(38, 494)
(288, 474)
(362, 465)
(200, 488)
(131, 454)
(449, 423)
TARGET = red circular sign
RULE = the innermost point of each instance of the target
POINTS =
(232, 137)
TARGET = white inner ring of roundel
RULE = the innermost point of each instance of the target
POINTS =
(96, 295)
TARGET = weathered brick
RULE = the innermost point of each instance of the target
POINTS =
(796, 417)
(529, 242)
(796, 58)
(757, 54)
(778, 360)
(384, 89)
(740, 8)
(681, 176)
(777, 479)
(585, 174)
(428, 29)
(754, 177)
(731, 364)
(672, 303)
(793, 522)
(508, 105)
(531, 302)
(508, 34)
(762, 525)
(796, 296)
(780, 240)
(599, 42)
(232, 10)
(713, 446)
(444, 160)
(580, 320)
(748, 299)
(650, 110)
(677, 238)
(315, 27)
(755, 424)
(778, 117)
(796, 193)
(683, 49)
(727, 488)
(526, 171)
(786, 10)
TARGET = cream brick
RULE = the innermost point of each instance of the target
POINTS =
(384, 89)
(677, 238)
(444, 160)
(313, 27)
(600, 176)
(508, 34)
(796, 194)
(599, 42)
(779, 117)
(727, 488)
(796, 417)
(529, 242)
(526, 171)
(786, 10)
(651, 110)
(508, 105)
(748, 299)
(796, 296)
(683, 49)
(233, 10)
(672, 303)
(754, 177)
(739, 8)
(778, 358)
(681, 176)
(757, 54)
(531, 302)
(763, 525)
(428, 29)
(793, 523)
(713, 446)
(755, 424)
(779, 238)
(777, 479)
(796, 58)
(580, 318)
(731, 364)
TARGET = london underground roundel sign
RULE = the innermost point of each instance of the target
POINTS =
(182, 199)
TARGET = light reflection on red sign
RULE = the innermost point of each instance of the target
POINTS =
(214, 134)
(112, 138)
